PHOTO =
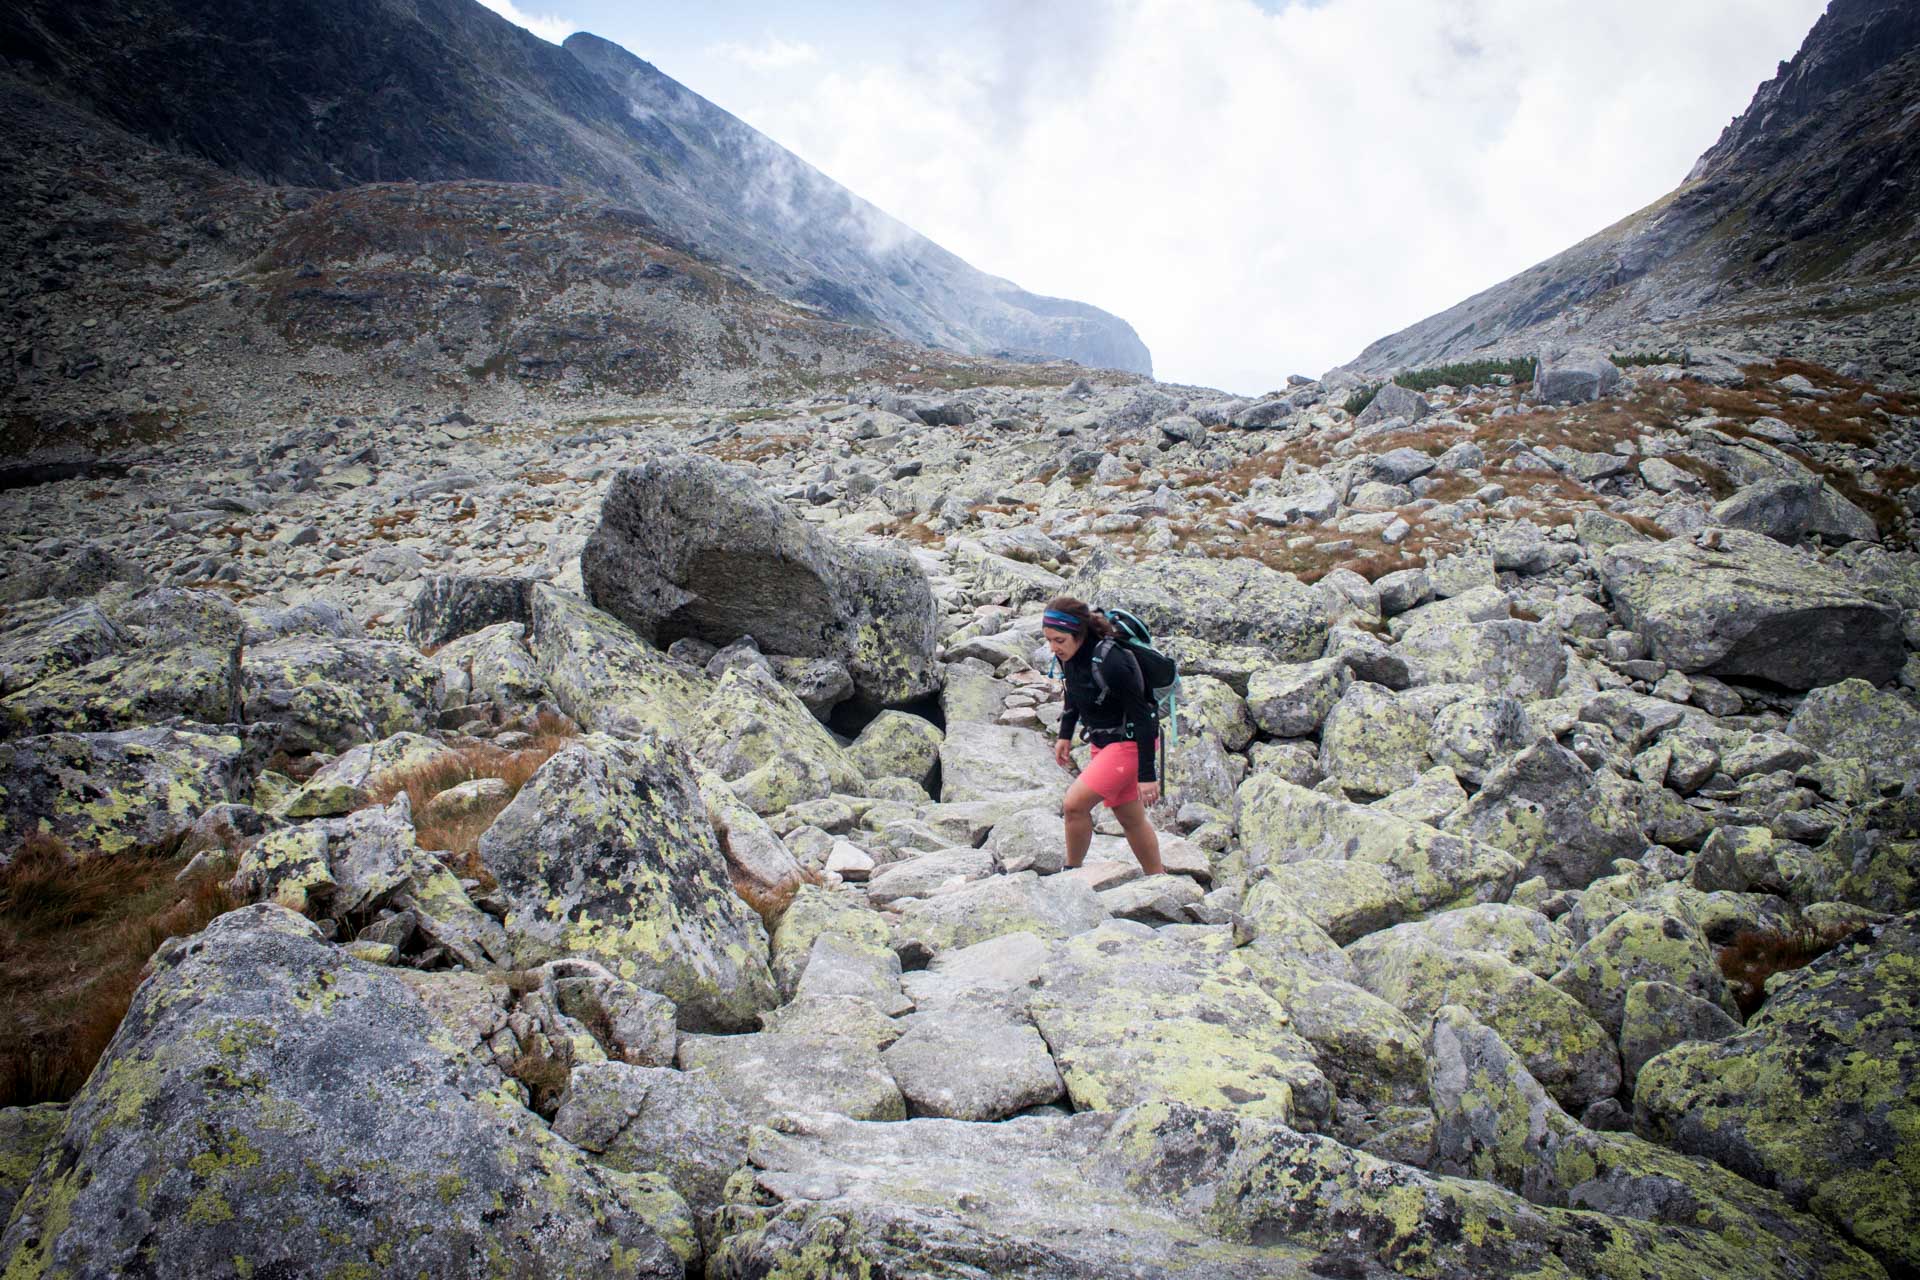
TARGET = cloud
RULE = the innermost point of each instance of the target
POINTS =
(549, 27)
(1263, 191)
(771, 54)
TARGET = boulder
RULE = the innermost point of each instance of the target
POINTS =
(1574, 377)
(607, 853)
(1642, 946)
(757, 734)
(1133, 1019)
(113, 792)
(256, 1078)
(1515, 934)
(1814, 1098)
(970, 1065)
(1238, 602)
(1372, 744)
(1393, 401)
(895, 744)
(170, 654)
(1879, 728)
(1749, 607)
(345, 783)
(985, 761)
(690, 547)
(450, 606)
(330, 694)
(1505, 657)
(602, 675)
(816, 912)
(25, 1135)
(763, 870)
(1046, 906)
(656, 1120)
(1563, 820)
(825, 1061)
(1658, 1015)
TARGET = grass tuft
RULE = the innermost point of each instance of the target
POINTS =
(75, 936)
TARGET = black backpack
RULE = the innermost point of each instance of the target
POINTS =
(1159, 674)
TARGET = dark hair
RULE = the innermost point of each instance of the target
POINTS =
(1092, 622)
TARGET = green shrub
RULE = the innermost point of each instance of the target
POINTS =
(1467, 373)
(1634, 359)
(1359, 400)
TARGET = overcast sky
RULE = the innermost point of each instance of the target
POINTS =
(1259, 188)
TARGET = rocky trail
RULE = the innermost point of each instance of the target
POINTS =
(646, 851)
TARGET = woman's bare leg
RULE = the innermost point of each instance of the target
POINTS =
(1141, 836)
(1077, 809)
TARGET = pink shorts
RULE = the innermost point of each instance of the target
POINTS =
(1114, 773)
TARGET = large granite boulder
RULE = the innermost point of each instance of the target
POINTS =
(603, 675)
(1574, 377)
(1815, 1097)
(1238, 603)
(110, 792)
(332, 693)
(1565, 821)
(1392, 400)
(1493, 1121)
(1048, 906)
(986, 761)
(1750, 607)
(1132, 1017)
(263, 1079)
(1879, 728)
(687, 546)
(607, 853)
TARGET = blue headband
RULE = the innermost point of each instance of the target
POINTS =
(1061, 621)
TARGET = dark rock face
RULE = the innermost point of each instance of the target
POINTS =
(443, 90)
(1810, 188)
(690, 547)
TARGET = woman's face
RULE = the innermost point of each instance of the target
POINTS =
(1063, 643)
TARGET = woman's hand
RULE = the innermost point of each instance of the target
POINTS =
(1063, 753)
(1149, 794)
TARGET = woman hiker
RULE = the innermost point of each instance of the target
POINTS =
(1120, 724)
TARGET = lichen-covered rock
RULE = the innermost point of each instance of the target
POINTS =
(1658, 1015)
(1283, 932)
(842, 966)
(750, 722)
(1641, 946)
(1563, 820)
(25, 1135)
(343, 784)
(109, 792)
(607, 853)
(1561, 1043)
(1749, 607)
(687, 546)
(1282, 824)
(1290, 701)
(1035, 1196)
(1210, 706)
(254, 1085)
(967, 1065)
(1503, 656)
(895, 744)
(451, 606)
(288, 868)
(604, 676)
(1429, 799)
(331, 694)
(928, 874)
(1815, 1098)
(1369, 1050)
(124, 690)
(1879, 728)
(816, 911)
(1493, 1121)
(1371, 744)
(1477, 734)
(763, 870)
(1237, 602)
(999, 974)
(825, 1062)
(1516, 934)
(983, 761)
(34, 648)
(1049, 906)
(1133, 1019)
(493, 665)
(656, 1120)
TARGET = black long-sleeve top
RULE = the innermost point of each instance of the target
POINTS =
(1126, 703)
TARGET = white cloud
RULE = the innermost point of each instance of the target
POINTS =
(1265, 192)
(548, 26)
(771, 54)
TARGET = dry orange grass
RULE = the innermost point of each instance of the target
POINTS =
(75, 937)
(1754, 956)
(457, 837)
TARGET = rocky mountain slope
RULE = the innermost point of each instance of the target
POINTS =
(335, 96)
(1797, 233)
(664, 805)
